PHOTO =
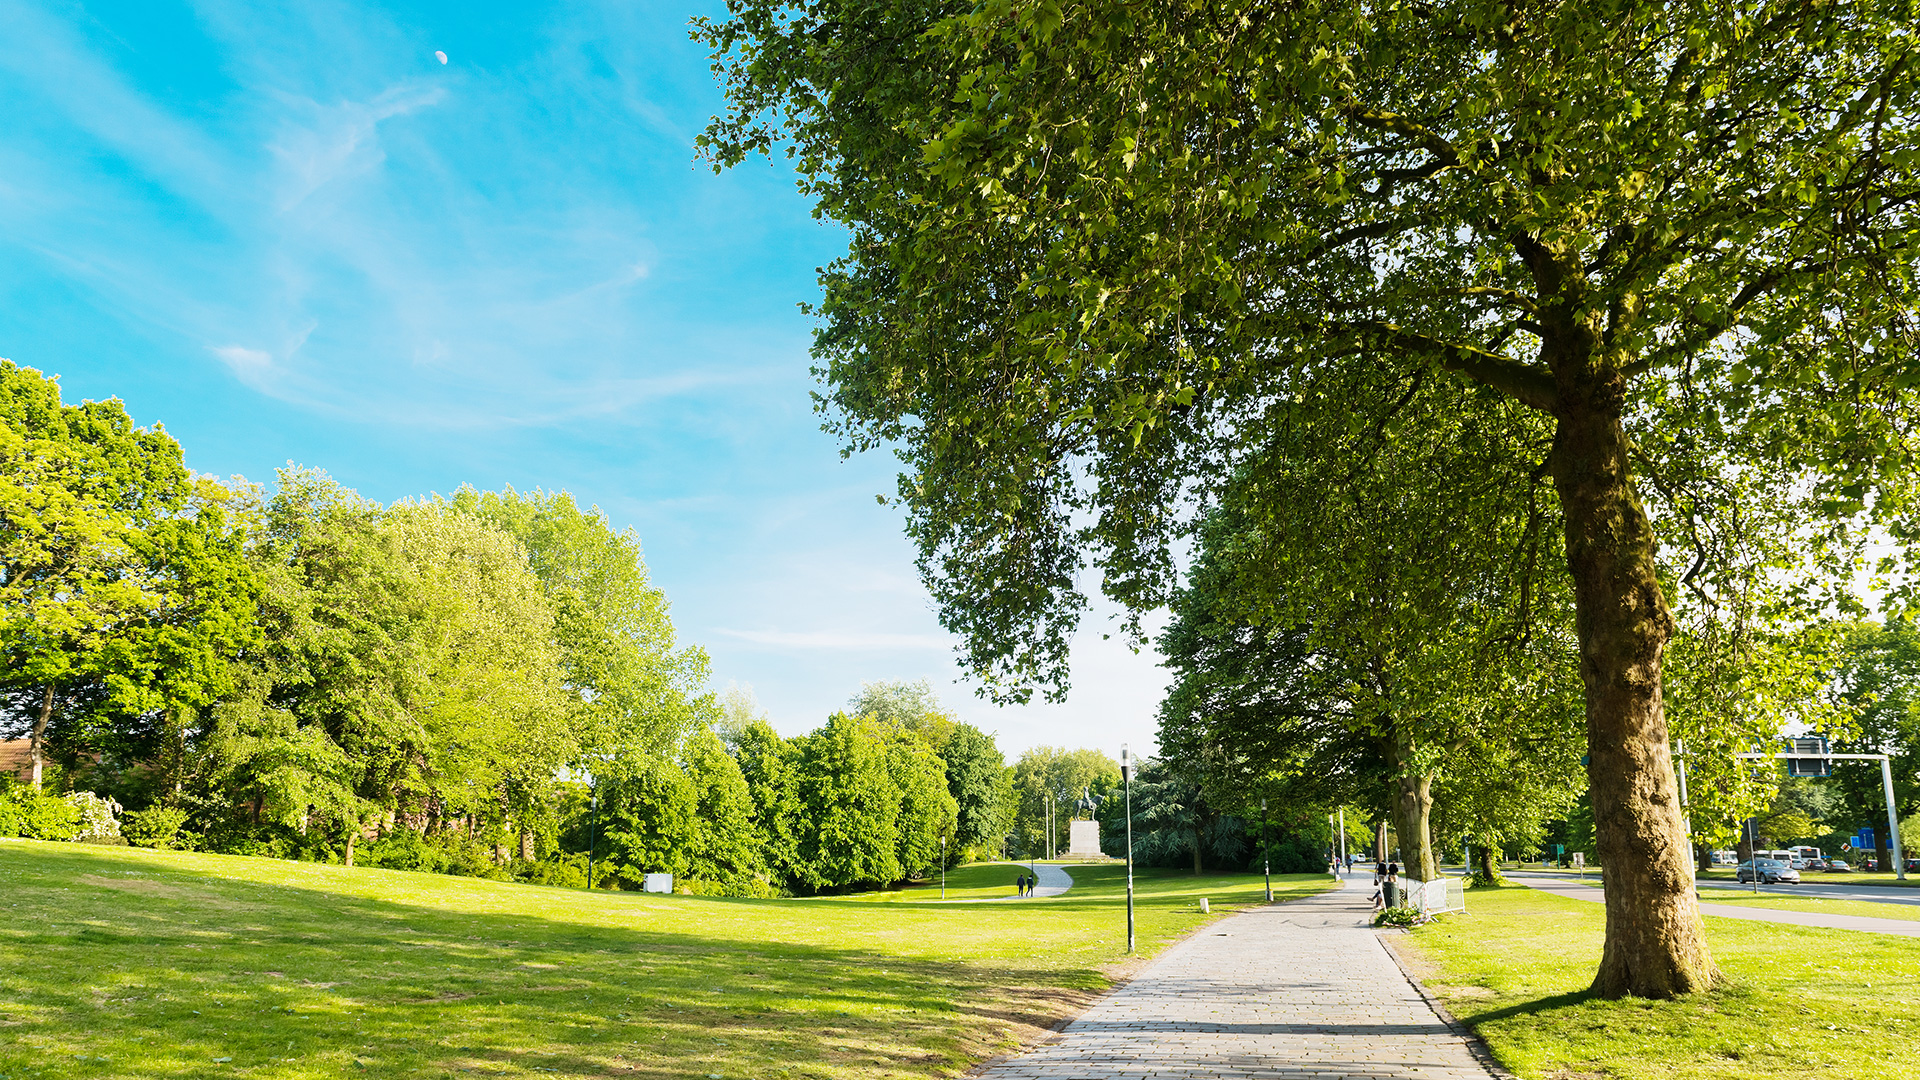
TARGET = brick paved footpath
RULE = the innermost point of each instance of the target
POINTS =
(1296, 990)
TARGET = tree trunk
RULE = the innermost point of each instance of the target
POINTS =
(1743, 847)
(1655, 943)
(1196, 850)
(526, 844)
(36, 746)
(1882, 854)
(1489, 870)
(353, 833)
(1412, 807)
(1702, 858)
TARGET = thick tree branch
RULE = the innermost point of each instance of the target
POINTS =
(1531, 386)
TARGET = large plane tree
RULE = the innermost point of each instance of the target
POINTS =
(1095, 244)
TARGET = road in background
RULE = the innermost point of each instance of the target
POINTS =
(1568, 886)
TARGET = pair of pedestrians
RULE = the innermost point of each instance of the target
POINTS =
(1386, 886)
(1025, 883)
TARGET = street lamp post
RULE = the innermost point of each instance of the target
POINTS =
(1126, 778)
(1266, 857)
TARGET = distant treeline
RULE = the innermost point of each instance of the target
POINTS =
(430, 684)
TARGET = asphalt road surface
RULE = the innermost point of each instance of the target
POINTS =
(1827, 887)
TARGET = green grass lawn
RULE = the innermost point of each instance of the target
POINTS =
(1872, 910)
(1797, 1001)
(117, 962)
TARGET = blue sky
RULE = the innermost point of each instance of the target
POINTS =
(290, 233)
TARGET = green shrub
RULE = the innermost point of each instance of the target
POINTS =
(564, 871)
(26, 812)
(155, 827)
(743, 886)
(50, 818)
(403, 849)
(1396, 916)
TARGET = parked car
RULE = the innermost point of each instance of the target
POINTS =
(1810, 864)
(1837, 866)
(1771, 871)
(1869, 863)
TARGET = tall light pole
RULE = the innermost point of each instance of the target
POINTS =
(1266, 857)
(1126, 779)
(943, 866)
(1343, 839)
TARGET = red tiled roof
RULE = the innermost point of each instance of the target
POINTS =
(16, 757)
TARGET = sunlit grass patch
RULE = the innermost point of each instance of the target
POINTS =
(1796, 1002)
(119, 962)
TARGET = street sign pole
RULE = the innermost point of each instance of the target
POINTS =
(1886, 784)
(1893, 822)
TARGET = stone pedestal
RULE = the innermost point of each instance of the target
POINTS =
(1083, 838)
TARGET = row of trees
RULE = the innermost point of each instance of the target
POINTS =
(446, 683)
(298, 672)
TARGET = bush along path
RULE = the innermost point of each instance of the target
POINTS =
(1302, 989)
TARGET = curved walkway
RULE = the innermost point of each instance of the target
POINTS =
(1053, 881)
(1296, 990)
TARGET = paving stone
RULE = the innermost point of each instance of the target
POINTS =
(1298, 991)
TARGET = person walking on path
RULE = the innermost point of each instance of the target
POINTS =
(1251, 997)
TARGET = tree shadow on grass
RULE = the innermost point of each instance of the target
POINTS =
(141, 965)
(1524, 1008)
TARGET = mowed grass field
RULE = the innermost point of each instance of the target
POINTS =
(117, 962)
(1796, 1002)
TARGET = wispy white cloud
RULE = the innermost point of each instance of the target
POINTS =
(248, 364)
(322, 144)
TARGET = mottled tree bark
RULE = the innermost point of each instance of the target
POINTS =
(1655, 944)
(1489, 868)
(1412, 809)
